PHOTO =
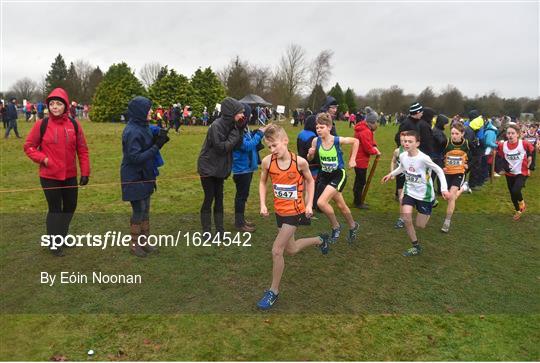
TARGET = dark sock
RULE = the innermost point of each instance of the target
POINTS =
(415, 244)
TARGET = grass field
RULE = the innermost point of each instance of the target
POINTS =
(473, 295)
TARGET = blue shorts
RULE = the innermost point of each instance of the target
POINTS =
(421, 206)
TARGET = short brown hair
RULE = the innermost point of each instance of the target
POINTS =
(324, 118)
(459, 126)
(411, 133)
(274, 132)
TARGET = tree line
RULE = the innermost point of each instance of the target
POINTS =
(295, 82)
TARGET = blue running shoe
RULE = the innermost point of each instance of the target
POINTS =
(353, 232)
(268, 300)
(413, 251)
(399, 223)
(335, 234)
(324, 246)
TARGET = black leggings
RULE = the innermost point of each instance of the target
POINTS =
(515, 184)
(213, 193)
(140, 210)
(62, 204)
(359, 184)
(243, 182)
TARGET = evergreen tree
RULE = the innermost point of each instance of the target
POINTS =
(237, 79)
(73, 84)
(57, 74)
(93, 81)
(118, 87)
(170, 88)
(350, 100)
(316, 98)
(208, 90)
(337, 93)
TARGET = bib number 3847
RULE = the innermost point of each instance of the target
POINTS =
(284, 191)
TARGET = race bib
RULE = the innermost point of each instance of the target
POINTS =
(285, 191)
(411, 178)
(454, 161)
(329, 166)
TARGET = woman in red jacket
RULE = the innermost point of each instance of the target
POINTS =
(53, 143)
(363, 131)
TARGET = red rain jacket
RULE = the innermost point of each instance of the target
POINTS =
(367, 144)
(59, 144)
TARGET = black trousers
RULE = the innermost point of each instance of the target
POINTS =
(62, 203)
(243, 182)
(359, 184)
(515, 184)
(213, 194)
(475, 165)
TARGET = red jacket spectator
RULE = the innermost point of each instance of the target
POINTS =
(367, 144)
(59, 144)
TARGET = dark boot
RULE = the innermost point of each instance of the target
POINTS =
(135, 230)
(145, 232)
(218, 222)
(206, 222)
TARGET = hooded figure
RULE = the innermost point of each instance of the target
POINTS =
(139, 152)
(55, 143)
(138, 170)
(330, 101)
(439, 138)
(215, 160)
(421, 126)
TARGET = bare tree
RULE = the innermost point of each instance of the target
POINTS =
(84, 70)
(24, 89)
(292, 72)
(321, 68)
(149, 73)
(260, 78)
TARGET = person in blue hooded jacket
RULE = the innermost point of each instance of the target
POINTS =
(245, 162)
(138, 170)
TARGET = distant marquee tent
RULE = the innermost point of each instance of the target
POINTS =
(252, 99)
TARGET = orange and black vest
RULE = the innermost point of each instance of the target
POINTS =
(288, 187)
(455, 157)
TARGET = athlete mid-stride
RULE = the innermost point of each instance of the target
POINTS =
(332, 177)
(287, 172)
(418, 190)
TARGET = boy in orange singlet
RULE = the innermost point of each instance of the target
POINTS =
(287, 172)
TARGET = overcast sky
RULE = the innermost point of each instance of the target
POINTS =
(477, 47)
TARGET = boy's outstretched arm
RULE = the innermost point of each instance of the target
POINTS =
(355, 144)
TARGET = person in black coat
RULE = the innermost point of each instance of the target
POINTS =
(214, 164)
(417, 122)
(140, 150)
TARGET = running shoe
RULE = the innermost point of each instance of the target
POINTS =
(413, 251)
(446, 226)
(465, 187)
(335, 234)
(268, 300)
(435, 203)
(399, 223)
(324, 246)
(517, 215)
(353, 232)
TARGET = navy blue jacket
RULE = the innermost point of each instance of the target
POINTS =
(11, 112)
(139, 152)
(303, 143)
